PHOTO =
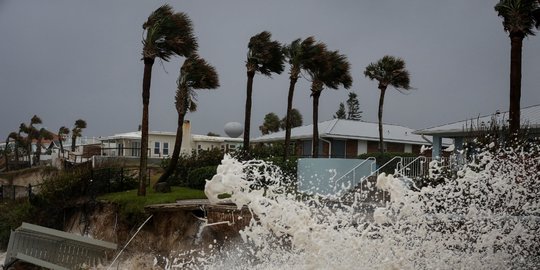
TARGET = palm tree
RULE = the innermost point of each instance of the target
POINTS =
(264, 56)
(298, 54)
(195, 73)
(77, 132)
(23, 128)
(31, 133)
(41, 134)
(270, 124)
(62, 132)
(387, 71)
(519, 19)
(326, 69)
(167, 34)
(12, 135)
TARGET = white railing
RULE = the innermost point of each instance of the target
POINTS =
(346, 187)
(410, 167)
(372, 173)
(414, 167)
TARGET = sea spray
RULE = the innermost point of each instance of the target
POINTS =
(487, 218)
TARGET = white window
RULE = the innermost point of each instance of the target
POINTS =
(232, 146)
(156, 148)
(165, 148)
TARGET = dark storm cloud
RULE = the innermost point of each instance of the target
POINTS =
(65, 60)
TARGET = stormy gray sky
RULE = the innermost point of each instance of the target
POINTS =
(65, 60)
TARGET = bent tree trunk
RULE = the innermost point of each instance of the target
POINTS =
(516, 40)
(148, 63)
(381, 103)
(247, 121)
(73, 140)
(288, 119)
(176, 152)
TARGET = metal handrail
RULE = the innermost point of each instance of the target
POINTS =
(388, 162)
(400, 171)
(356, 167)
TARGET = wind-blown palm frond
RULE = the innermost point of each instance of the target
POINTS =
(168, 33)
(35, 120)
(195, 73)
(264, 55)
(519, 16)
(389, 71)
(80, 124)
(299, 53)
(63, 131)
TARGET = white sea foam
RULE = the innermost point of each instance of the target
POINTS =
(488, 218)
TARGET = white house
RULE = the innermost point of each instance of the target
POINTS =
(161, 143)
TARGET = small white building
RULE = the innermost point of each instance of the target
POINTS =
(161, 143)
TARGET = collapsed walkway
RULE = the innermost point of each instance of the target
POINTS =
(54, 249)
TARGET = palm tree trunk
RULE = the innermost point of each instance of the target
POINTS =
(16, 153)
(315, 140)
(61, 145)
(247, 121)
(73, 141)
(288, 119)
(29, 137)
(6, 154)
(148, 63)
(176, 152)
(38, 150)
(515, 81)
(381, 103)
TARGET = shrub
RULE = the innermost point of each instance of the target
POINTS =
(12, 214)
(189, 162)
(197, 177)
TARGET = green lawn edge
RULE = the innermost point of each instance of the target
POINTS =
(130, 203)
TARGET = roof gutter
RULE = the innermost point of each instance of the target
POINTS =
(427, 140)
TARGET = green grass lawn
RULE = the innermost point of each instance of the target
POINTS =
(130, 203)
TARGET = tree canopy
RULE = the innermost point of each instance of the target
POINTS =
(296, 119)
(271, 124)
(353, 107)
(340, 113)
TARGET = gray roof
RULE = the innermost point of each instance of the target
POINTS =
(348, 129)
(136, 135)
(530, 117)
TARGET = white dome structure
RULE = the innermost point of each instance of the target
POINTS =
(234, 129)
